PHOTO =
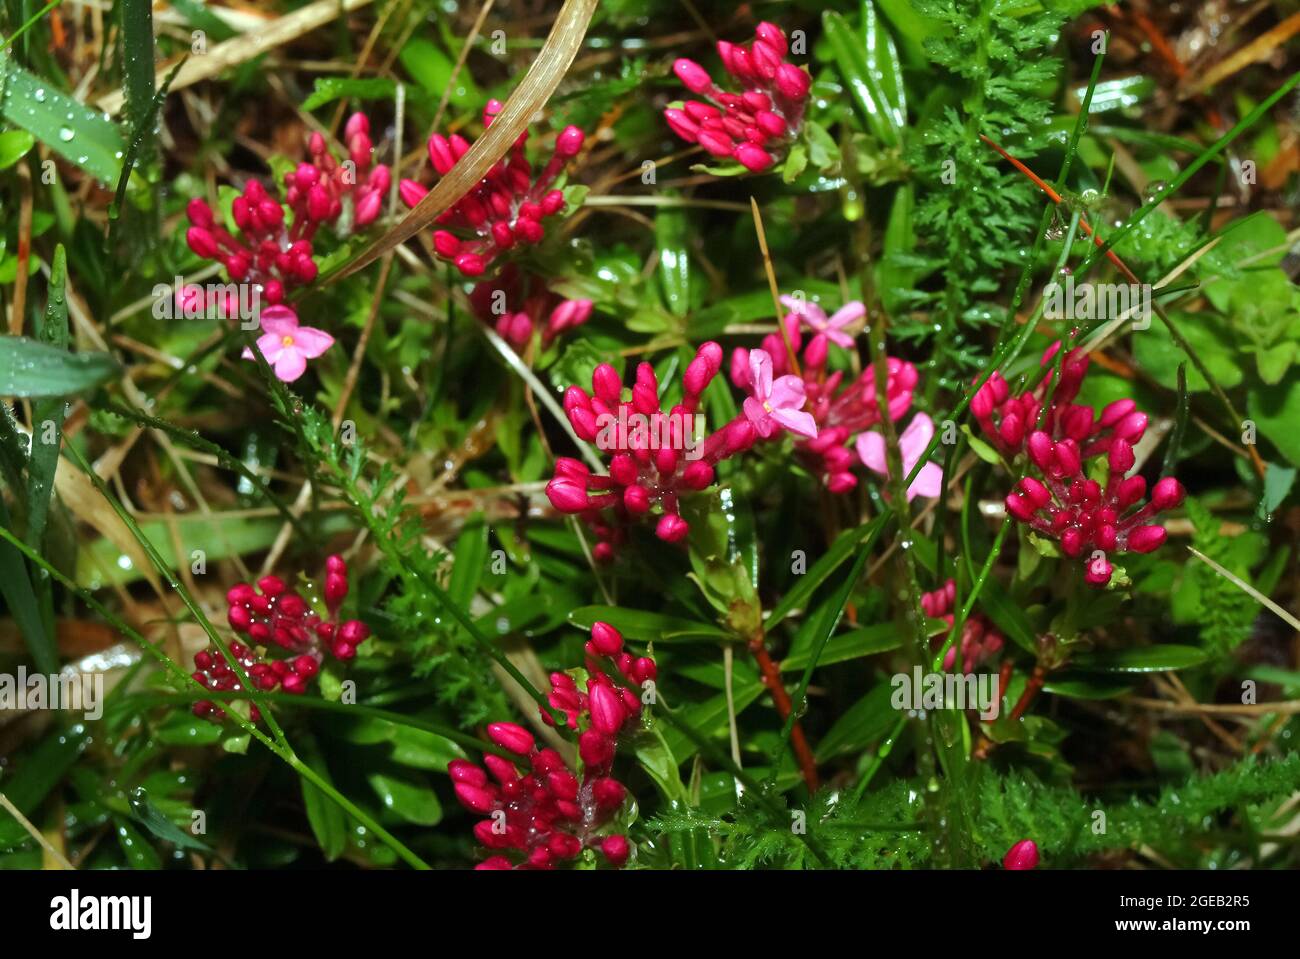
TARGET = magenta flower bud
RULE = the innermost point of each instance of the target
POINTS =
(693, 76)
(202, 242)
(358, 123)
(1078, 422)
(1121, 458)
(367, 209)
(711, 353)
(470, 264)
(440, 154)
(1012, 430)
(682, 125)
(841, 483)
(318, 203)
(607, 640)
(1167, 494)
(494, 863)
(697, 475)
(697, 376)
(564, 846)
(607, 713)
(199, 213)
(1072, 541)
(503, 770)
(773, 36)
(740, 373)
(793, 83)
(636, 499)
(1131, 427)
(595, 748)
(1068, 460)
(1023, 855)
(569, 142)
(1147, 539)
(616, 850)
(1098, 572)
(765, 59)
(567, 496)
(718, 144)
(1019, 507)
(474, 798)
(672, 528)
(463, 771)
(981, 404)
(1116, 411)
(608, 793)
(607, 384)
(511, 736)
(563, 784)
(753, 158)
(1040, 449)
(1036, 492)
(411, 192)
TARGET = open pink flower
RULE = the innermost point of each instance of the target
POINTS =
(778, 403)
(833, 326)
(286, 345)
(912, 444)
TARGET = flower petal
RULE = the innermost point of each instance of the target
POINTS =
(312, 342)
(846, 314)
(871, 450)
(760, 370)
(787, 393)
(291, 365)
(796, 421)
(271, 346)
(928, 482)
(915, 439)
(758, 416)
(279, 320)
(839, 338)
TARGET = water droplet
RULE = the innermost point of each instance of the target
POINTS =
(39, 95)
(66, 134)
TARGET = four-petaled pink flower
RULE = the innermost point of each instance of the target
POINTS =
(912, 444)
(286, 345)
(778, 403)
(833, 326)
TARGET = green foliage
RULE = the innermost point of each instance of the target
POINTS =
(1223, 611)
(975, 214)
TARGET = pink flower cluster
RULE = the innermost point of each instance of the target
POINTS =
(839, 415)
(514, 302)
(753, 126)
(275, 254)
(644, 475)
(539, 809)
(273, 614)
(1066, 504)
(506, 208)
(980, 641)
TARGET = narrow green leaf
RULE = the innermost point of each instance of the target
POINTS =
(882, 118)
(14, 145)
(47, 414)
(1148, 659)
(329, 89)
(77, 133)
(31, 369)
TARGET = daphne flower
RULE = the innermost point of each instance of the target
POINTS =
(778, 403)
(286, 345)
(833, 327)
(912, 445)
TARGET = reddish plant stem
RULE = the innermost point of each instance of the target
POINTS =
(772, 680)
(1031, 691)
